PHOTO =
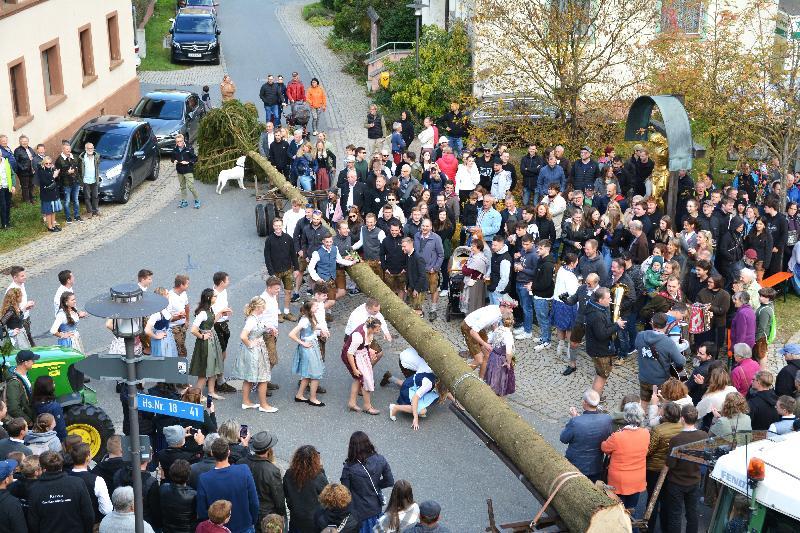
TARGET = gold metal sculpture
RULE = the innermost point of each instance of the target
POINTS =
(660, 175)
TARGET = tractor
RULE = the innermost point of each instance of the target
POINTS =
(82, 415)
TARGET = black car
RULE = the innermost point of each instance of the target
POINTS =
(128, 153)
(195, 36)
(169, 112)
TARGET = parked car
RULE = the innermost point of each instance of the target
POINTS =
(128, 154)
(208, 5)
(502, 116)
(195, 36)
(169, 112)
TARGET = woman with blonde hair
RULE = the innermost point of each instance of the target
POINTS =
(335, 514)
(46, 175)
(252, 364)
(308, 362)
(11, 316)
(231, 431)
(719, 386)
(732, 419)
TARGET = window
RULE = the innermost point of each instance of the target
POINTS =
(51, 74)
(19, 93)
(112, 23)
(682, 16)
(87, 54)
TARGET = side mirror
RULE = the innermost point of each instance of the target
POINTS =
(218, 32)
(139, 154)
(130, 111)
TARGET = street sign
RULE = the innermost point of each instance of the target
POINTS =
(144, 446)
(148, 368)
(170, 407)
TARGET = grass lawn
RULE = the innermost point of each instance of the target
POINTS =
(26, 225)
(788, 317)
(155, 30)
(317, 15)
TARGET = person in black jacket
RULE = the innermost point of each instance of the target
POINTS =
(150, 494)
(456, 124)
(697, 380)
(281, 261)
(394, 259)
(12, 517)
(271, 97)
(529, 166)
(761, 399)
(582, 297)
(24, 156)
(730, 251)
(778, 227)
(336, 512)
(279, 154)
(600, 332)
(184, 158)
(374, 126)
(176, 438)
(542, 286)
(112, 462)
(365, 473)
(621, 278)
(416, 276)
(71, 512)
(177, 511)
(266, 475)
(785, 382)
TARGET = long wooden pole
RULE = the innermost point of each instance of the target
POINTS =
(580, 504)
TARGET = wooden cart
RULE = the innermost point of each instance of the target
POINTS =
(270, 203)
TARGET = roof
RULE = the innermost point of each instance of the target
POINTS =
(780, 489)
(195, 11)
(112, 122)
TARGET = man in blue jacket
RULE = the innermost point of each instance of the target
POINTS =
(550, 173)
(583, 435)
(657, 353)
(228, 482)
(429, 245)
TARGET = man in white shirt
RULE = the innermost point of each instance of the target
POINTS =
(67, 283)
(325, 259)
(144, 278)
(371, 307)
(269, 320)
(178, 308)
(221, 326)
(293, 216)
(475, 326)
(18, 277)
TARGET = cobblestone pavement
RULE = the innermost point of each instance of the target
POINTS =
(194, 75)
(81, 238)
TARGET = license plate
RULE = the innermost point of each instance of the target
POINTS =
(194, 55)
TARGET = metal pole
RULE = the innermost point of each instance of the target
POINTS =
(416, 47)
(136, 452)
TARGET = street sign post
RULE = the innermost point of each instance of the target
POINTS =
(148, 368)
(169, 407)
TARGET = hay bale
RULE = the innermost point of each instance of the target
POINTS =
(225, 134)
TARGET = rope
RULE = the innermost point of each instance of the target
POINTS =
(555, 486)
(461, 378)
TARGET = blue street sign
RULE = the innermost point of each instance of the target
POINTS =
(166, 406)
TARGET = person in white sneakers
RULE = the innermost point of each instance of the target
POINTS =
(543, 285)
(475, 327)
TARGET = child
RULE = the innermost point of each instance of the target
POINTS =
(398, 144)
(272, 523)
(205, 98)
(765, 325)
(500, 368)
(43, 436)
(652, 278)
(219, 514)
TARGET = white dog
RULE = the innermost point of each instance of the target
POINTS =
(235, 173)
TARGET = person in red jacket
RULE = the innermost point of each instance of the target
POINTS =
(296, 91)
(448, 163)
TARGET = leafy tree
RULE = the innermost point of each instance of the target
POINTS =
(351, 20)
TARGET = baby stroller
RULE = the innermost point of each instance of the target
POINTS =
(299, 115)
(456, 284)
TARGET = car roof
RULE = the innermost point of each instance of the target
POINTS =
(112, 123)
(195, 11)
(168, 94)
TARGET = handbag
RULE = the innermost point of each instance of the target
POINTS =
(339, 527)
(378, 493)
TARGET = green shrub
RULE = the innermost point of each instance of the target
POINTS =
(351, 20)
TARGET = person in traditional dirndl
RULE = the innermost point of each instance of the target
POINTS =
(158, 330)
(307, 357)
(417, 393)
(207, 354)
(500, 368)
(563, 313)
(358, 356)
(252, 363)
(65, 325)
(12, 316)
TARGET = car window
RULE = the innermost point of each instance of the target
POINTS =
(139, 139)
(189, 24)
(207, 3)
(108, 145)
(159, 108)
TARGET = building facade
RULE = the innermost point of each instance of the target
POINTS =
(66, 61)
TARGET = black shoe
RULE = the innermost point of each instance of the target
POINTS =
(432, 316)
(295, 297)
(569, 370)
(385, 379)
(225, 387)
(78, 219)
(272, 386)
(321, 389)
(320, 404)
(298, 400)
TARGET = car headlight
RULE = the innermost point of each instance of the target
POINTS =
(173, 134)
(114, 171)
(212, 45)
(176, 45)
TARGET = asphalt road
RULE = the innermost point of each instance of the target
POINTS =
(444, 460)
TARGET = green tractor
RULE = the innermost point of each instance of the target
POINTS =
(82, 415)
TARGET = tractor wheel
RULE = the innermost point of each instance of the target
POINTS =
(271, 212)
(261, 221)
(92, 424)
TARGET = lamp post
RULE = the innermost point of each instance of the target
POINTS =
(417, 7)
(125, 305)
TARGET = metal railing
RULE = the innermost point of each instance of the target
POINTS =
(389, 48)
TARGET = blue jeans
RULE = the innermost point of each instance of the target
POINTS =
(526, 196)
(626, 339)
(457, 144)
(306, 182)
(542, 308)
(71, 194)
(494, 297)
(526, 303)
(272, 114)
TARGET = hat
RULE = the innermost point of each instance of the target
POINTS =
(587, 149)
(262, 441)
(351, 158)
(751, 254)
(7, 468)
(443, 139)
(658, 259)
(429, 509)
(508, 301)
(26, 355)
(790, 349)
(638, 147)
(497, 161)
(589, 187)
(384, 151)
(174, 435)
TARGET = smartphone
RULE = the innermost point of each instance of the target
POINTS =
(243, 432)
(208, 401)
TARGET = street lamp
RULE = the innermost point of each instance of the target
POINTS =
(417, 7)
(125, 305)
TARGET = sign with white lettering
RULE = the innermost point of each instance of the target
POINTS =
(169, 407)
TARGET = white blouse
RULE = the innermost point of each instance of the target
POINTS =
(199, 319)
(61, 318)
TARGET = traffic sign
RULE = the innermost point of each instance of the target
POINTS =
(170, 407)
(144, 446)
(148, 368)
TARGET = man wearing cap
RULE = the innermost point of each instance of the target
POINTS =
(11, 515)
(18, 388)
(429, 512)
(584, 171)
(266, 475)
(786, 380)
(176, 438)
(350, 164)
(583, 435)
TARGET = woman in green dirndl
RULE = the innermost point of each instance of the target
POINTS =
(207, 355)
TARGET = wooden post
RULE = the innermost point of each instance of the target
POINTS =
(672, 196)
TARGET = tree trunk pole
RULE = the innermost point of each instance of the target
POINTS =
(581, 506)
